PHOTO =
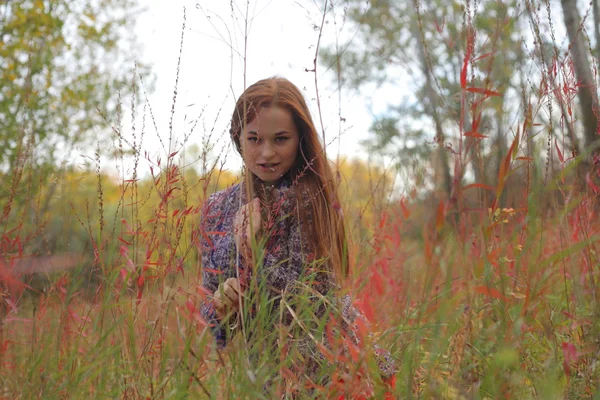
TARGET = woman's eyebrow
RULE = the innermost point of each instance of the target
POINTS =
(280, 133)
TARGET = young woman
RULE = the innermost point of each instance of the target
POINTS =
(274, 246)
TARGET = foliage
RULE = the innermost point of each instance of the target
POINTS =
(473, 69)
(502, 308)
(62, 65)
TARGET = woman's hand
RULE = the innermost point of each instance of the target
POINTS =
(246, 225)
(227, 296)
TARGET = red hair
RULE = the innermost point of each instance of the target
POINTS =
(310, 173)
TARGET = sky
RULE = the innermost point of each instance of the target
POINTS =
(282, 35)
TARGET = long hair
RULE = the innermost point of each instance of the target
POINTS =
(311, 174)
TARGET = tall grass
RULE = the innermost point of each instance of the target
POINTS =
(501, 302)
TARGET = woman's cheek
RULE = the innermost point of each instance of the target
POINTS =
(249, 155)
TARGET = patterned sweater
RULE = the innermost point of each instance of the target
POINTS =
(284, 262)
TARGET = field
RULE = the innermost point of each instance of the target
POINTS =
(497, 303)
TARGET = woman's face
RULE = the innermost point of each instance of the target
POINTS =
(270, 144)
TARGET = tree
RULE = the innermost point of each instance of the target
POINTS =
(483, 75)
(430, 42)
(588, 94)
(63, 64)
(596, 11)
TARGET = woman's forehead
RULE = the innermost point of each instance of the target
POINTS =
(269, 118)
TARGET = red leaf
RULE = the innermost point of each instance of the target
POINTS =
(482, 56)
(326, 353)
(463, 72)
(391, 382)
(504, 167)
(382, 221)
(362, 330)
(439, 223)
(354, 351)
(483, 91)
(405, 210)
(125, 241)
(207, 239)
(490, 292)
(12, 305)
(475, 135)
(365, 307)
(378, 282)
(560, 154)
(570, 356)
(439, 27)
(569, 315)
(592, 185)
(213, 271)
(190, 307)
(476, 122)
(203, 292)
(478, 185)
(201, 321)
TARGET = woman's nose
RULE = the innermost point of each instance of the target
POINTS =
(267, 150)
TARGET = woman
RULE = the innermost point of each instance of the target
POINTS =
(273, 247)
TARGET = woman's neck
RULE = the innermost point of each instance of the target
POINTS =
(265, 191)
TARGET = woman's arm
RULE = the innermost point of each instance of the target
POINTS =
(218, 258)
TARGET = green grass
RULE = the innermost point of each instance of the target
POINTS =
(504, 309)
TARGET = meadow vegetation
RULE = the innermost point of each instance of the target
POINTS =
(483, 286)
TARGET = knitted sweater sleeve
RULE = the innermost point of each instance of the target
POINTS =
(219, 257)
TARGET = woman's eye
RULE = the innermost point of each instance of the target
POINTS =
(281, 139)
(253, 139)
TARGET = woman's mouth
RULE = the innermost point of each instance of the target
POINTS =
(268, 167)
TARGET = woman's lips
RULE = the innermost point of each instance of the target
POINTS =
(268, 167)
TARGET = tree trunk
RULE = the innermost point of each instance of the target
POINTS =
(596, 11)
(587, 90)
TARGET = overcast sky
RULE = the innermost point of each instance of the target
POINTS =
(281, 41)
